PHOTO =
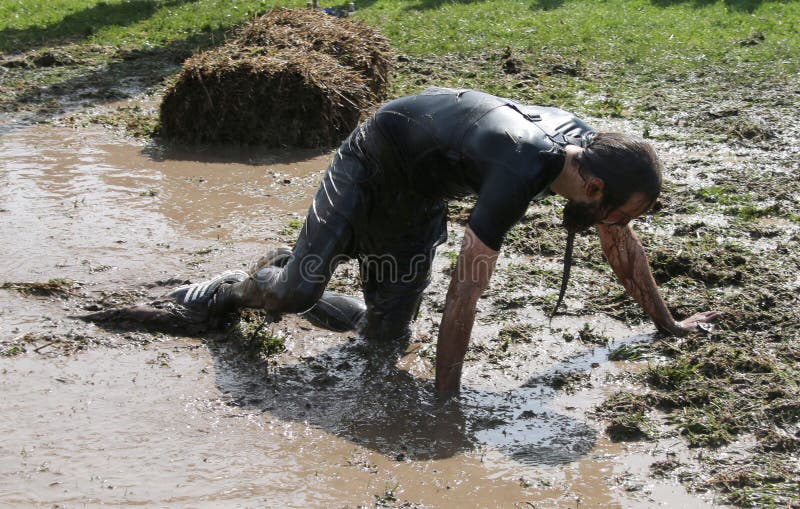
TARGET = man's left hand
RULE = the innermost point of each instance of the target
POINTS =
(698, 321)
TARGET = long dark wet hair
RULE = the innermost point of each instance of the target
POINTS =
(626, 164)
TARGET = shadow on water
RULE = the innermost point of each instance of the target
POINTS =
(83, 23)
(355, 391)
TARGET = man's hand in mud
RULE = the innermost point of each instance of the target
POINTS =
(699, 321)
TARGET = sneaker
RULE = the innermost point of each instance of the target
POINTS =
(198, 296)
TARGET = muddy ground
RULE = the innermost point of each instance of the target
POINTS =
(290, 415)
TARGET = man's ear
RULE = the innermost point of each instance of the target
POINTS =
(593, 187)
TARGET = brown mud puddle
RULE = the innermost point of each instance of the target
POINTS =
(144, 419)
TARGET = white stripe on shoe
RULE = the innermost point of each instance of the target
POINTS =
(198, 294)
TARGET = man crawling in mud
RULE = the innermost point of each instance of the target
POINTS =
(383, 201)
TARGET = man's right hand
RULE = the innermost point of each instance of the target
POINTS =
(470, 278)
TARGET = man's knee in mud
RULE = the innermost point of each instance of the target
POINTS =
(297, 298)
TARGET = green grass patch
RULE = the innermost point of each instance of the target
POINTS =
(254, 331)
(703, 258)
(723, 195)
(292, 227)
(613, 51)
(60, 287)
(630, 352)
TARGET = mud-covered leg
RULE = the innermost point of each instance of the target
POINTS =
(300, 283)
(388, 318)
(325, 240)
(393, 287)
(336, 312)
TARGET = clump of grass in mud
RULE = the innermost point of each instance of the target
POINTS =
(629, 352)
(740, 205)
(763, 483)
(628, 428)
(452, 257)
(588, 334)
(388, 498)
(522, 277)
(535, 236)
(132, 119)
(703, 259)
(626, 415)
(252, 330)
(567, 381)
(292, 227)
(515, 333)
(12, 350)
(518, 332)
(664, 468)
(60, 287)
(46, 344)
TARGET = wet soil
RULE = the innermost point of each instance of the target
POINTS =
(129, 417)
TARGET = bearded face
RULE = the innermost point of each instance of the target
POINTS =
(579, 216)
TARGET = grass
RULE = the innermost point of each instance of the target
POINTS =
(629, 352)
(121, 23)
(131, 119)
(60, 287)
(626, 417)
(252, 330)
(11, 350)
(515, 333)
(292, 227)
(596, 56)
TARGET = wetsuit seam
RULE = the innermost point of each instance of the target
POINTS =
(472, 126)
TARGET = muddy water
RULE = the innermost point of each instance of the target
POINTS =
(65, 196)
(193, 422)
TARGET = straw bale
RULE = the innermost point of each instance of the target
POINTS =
(350, 41)
(289, 78)
(277, 98)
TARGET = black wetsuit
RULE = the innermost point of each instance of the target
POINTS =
(383, 201)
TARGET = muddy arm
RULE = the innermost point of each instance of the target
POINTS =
(626, 256)
(470, 278)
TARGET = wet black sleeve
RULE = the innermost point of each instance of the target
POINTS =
(502, 201)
